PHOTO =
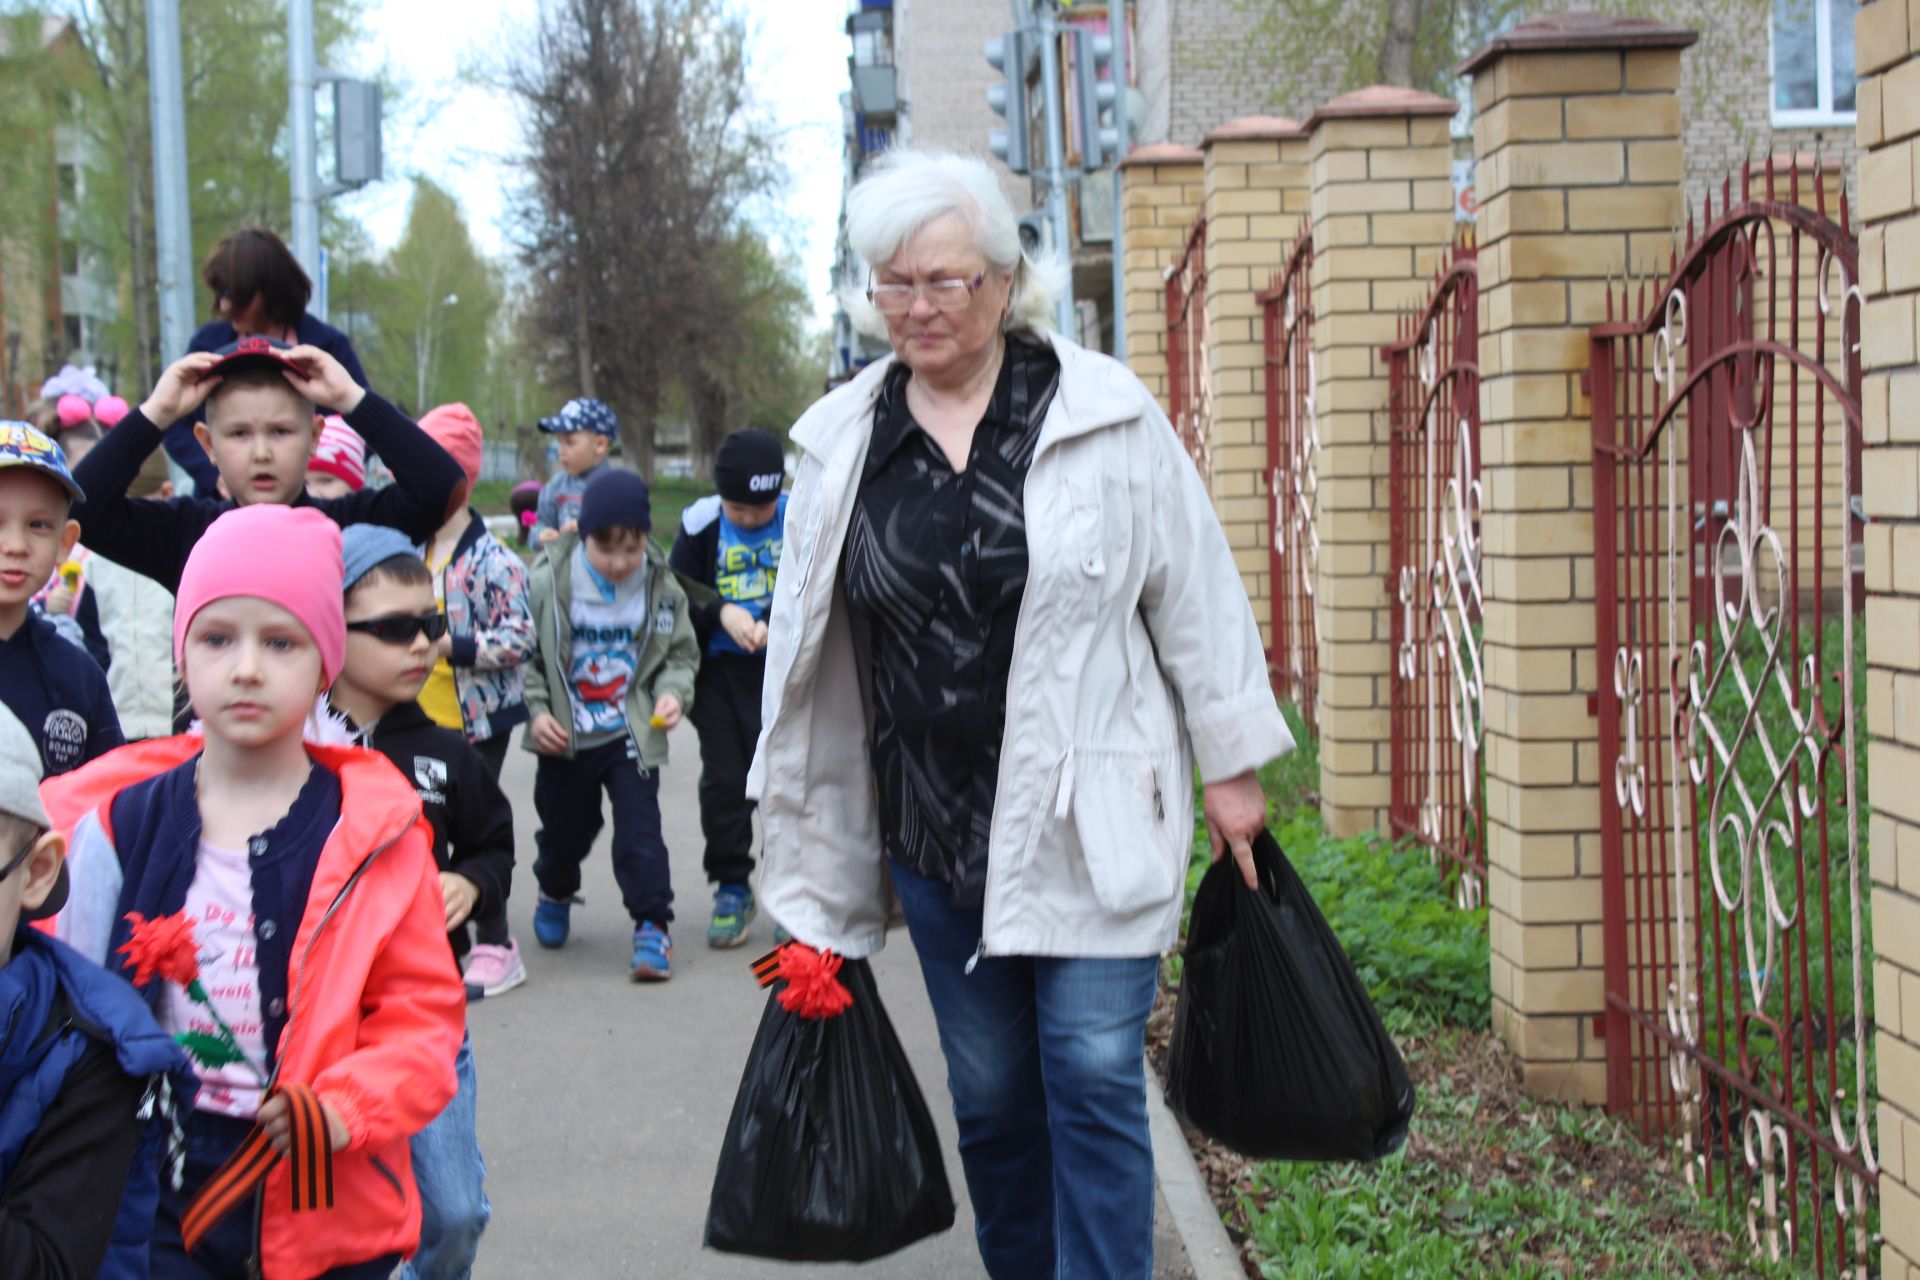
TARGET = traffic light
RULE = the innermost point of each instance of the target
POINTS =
(356, 133)
(1011, 55)
(1093, 55)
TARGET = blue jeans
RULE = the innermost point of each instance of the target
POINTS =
(452, 1178)
(1045, 1064)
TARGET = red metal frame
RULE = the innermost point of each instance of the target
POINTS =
(1189, 393)
(1292, 445)
(1438, 685)
(1726, 454)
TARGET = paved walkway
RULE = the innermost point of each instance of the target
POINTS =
(603, 1103)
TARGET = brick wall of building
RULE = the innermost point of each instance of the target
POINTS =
(939, 46)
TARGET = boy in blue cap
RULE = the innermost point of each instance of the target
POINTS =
(587, 430)
(52, 685)
(612, 674)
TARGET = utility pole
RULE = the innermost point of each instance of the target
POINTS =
(1118, 29)
(302, 78)
(1056, 174)
(172, 216)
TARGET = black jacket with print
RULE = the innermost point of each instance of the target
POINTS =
(471, 819)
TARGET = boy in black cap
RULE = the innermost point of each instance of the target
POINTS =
(728, 555)
(613, 673)
(260, 431)
(83, 1112)
(52, 684)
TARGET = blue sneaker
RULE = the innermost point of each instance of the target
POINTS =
(652, 954)
(733, 910)
(553, 920)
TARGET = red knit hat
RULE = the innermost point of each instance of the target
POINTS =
(340, 452)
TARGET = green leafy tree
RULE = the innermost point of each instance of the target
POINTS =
(431, 306)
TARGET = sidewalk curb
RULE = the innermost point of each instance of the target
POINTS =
(1209, 1249)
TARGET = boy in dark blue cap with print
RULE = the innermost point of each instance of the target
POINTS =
(53, 685)
(587, 430)
(613, 673)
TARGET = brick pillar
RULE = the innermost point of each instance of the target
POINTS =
(1161, 190)
(1256, 200)
(1888, 48)
(1382, 210)
(1578, 169)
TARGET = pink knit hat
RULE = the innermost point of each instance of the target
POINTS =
(289, 556)
(455, 429)
(340, 452)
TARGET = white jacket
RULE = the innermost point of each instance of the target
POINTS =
(1136, 652)
(136, 617)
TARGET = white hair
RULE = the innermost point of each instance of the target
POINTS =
(907, 189)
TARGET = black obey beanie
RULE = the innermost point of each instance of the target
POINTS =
(749, 467)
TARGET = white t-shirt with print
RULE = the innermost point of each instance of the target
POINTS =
(220, 904)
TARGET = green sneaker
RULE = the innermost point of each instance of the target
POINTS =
(733, 910)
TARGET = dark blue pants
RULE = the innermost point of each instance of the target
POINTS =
(566, 795)
(491, 929)
(1045, 1061)
(726, 711)
(224, 1254)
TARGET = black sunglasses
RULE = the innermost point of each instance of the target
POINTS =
(401, 628)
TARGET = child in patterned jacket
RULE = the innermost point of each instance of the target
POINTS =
(478, 686)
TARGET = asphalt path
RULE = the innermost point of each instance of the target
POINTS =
(603, 1102)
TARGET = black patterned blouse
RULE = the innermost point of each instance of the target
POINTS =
(936, 562)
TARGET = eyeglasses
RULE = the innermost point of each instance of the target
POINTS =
(14, 862)
(401, 628)
(945, 295)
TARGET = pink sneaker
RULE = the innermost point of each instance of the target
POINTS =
(493, 971)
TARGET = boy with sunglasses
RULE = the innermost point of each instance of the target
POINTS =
(395, 633)
(83, 1110)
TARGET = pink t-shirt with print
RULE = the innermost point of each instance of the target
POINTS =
(220, 904)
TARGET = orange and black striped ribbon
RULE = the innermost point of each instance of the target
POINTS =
(310, 1160)
(766, 970)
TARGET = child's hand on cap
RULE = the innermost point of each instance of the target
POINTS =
(323, 381)
(181, 389)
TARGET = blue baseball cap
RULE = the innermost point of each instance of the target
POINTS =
(583, 415)
(23, 445)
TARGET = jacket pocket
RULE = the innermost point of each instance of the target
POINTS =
(1120, 802)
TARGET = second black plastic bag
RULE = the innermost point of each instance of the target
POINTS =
(1277, 1051)
(831, 1154)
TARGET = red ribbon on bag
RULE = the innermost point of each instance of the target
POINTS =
(813, 989)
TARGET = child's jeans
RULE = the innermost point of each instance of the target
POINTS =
(452, 1177)
(566, 795)
(224, 1254)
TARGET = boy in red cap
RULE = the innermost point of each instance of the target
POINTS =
(260, 432)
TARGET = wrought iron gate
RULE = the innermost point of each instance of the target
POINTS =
(1293, 446)
(1438, 685)
(1189, 380)
(1726, 435)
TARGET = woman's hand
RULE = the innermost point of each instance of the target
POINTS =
(549, 735)
(276, 1118)
(1236, 810)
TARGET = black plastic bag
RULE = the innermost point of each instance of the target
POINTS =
(1277, 1051)
(831, 1154)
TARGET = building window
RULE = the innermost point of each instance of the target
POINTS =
(75, 334)
(69, 176)
(69, 257)
(1813, 61)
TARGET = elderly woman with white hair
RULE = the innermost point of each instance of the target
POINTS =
(1006, 626)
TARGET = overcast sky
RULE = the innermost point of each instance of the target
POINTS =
(460, 135)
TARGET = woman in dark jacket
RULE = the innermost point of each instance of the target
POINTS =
(258, 288)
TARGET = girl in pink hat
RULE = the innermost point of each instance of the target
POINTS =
(277, 903)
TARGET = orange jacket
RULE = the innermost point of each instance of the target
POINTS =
(376, 1009)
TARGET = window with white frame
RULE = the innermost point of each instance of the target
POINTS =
(1813, 61)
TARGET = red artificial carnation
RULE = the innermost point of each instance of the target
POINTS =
(813, 987)
(163, 947)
